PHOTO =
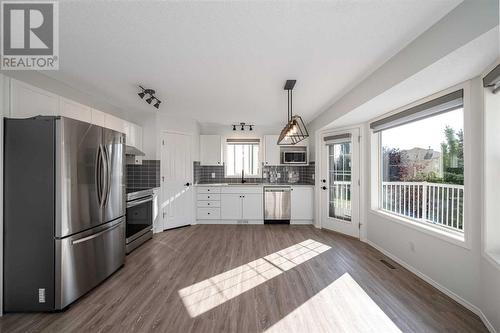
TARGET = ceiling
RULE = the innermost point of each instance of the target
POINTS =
(225, 62)
(461, 65)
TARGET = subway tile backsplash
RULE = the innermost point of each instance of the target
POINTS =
(145, 175)
(288, 175)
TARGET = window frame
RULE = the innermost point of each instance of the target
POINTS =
(457, 238)
(259, 156)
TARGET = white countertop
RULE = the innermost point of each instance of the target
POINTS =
(253, 184)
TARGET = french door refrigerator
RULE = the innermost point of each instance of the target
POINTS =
(64, 210)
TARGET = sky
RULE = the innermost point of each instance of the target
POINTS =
(423, 133)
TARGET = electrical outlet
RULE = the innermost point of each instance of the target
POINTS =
(278, 175)
(213, 174)
(312, 176)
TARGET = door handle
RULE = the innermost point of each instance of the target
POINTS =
(187, 184)
(324, 187)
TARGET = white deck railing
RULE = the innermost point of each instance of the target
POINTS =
(440, 204)
(340, 198)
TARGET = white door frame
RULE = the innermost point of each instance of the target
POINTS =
(162, 226)
(323, 170)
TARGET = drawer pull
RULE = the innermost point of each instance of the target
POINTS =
(84, 239)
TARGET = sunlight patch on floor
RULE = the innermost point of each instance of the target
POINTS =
(343, 306)
(207, 294)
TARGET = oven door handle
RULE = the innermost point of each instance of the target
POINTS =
(138, 202)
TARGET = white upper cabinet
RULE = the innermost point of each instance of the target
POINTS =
(74, 110)
(302, 203)
(97, 117)
(134, 135)
(114, 123)
(271, 150)
(210, 150)
(29, 101)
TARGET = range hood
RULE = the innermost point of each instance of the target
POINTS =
(130, 150)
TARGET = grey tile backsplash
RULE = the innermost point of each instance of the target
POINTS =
(143, 176)
(288, 175)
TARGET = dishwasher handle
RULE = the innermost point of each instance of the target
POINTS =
(281, 189)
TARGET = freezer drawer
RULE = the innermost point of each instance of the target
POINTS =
(86, 259)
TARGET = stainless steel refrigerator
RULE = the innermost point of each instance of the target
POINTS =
(64, 210)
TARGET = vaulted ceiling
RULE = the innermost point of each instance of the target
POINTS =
(224, 62)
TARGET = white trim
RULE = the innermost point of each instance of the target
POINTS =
(437, 285)
(432, 230)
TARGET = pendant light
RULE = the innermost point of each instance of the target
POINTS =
(295, 130)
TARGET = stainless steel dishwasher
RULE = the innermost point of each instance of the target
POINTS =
(277, 204)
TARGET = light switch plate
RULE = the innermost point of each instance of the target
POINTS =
(278, 175)
(213, 174)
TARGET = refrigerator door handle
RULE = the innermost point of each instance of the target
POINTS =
(98, 175)
(107, 188)
(105, 172)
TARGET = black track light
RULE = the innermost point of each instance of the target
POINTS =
(151, 98)
(242, 126)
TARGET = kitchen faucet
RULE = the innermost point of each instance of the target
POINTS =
(243, 181)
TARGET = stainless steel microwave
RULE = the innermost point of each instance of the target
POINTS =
(295, 155)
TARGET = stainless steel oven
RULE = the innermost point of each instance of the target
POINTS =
(139, 225)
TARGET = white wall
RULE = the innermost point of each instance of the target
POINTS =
(463, 24)
(490, 261)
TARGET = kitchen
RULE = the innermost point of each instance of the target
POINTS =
(251, 167)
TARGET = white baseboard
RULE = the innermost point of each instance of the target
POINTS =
(436, 285)
(229, 222)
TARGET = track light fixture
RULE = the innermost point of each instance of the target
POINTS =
(151, 98)
(242, 126)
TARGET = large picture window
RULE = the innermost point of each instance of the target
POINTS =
(422, 164)
(242, 155)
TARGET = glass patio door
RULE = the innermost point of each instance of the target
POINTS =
(339, 184)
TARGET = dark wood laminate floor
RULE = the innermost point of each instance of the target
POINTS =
(322, 282)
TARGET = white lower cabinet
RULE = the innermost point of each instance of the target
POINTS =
(252, 206)
(302, 204)
(230, 204)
